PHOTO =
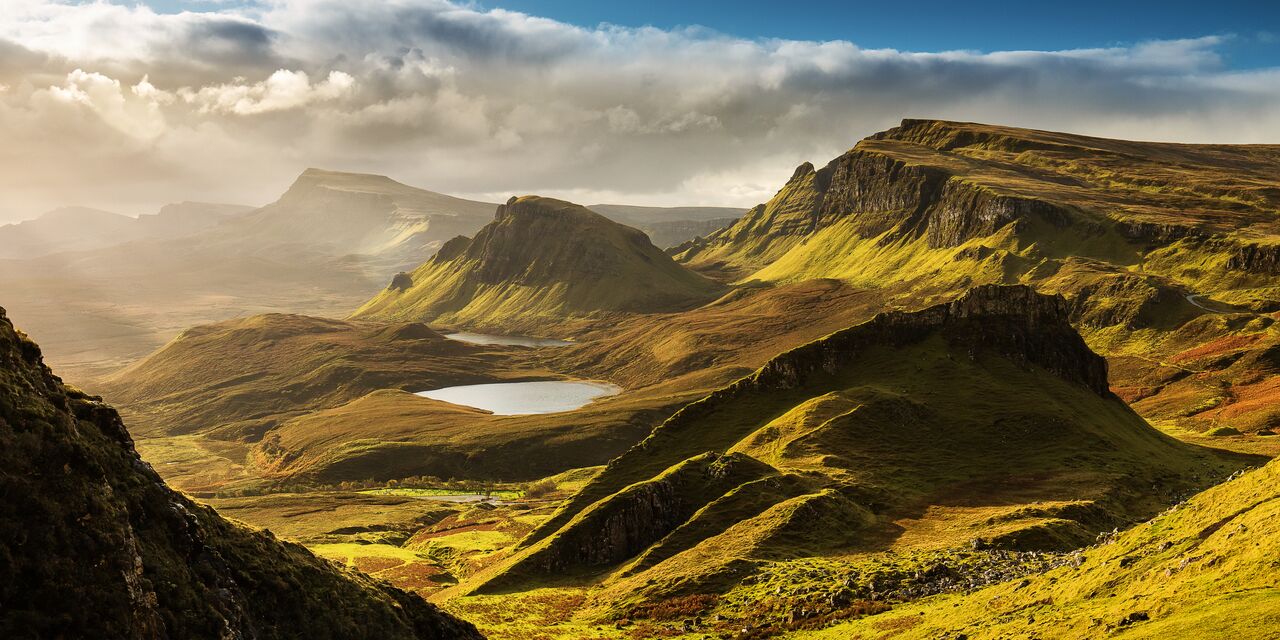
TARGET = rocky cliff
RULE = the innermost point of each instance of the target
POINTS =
(93, 544)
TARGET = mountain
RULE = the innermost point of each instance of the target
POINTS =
(360, 214)
(321, 249)
(987, 196)
(186, 218)
(541, 261)
(987, 417)
(1167, 251)
(96, 545)
(1202, 569)
(670, 226)
(82, 229)
(65, 229)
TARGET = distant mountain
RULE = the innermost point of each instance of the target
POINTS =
(639, 217)
(324, 247)
(360, 214)
(80, 229)
(541, 260)
(992, 401)
(96, 545)
(186, 218)
(670, 226)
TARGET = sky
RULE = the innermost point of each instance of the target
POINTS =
(127, 106)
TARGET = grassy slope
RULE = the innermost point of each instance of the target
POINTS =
(542, 261)
(242, 377)
(1204, 569)
(899, 427)
(1129, 230)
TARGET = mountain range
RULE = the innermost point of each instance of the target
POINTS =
(962, 381)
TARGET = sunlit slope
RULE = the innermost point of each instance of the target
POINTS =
(951, 200)
(541, 260)
(1204, 569)
(989, 400)
(1167, 252)
(96, 545)
(242, 377)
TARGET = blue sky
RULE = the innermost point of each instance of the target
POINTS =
(931, 25)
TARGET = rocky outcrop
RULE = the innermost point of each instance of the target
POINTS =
(94, 544)
(877, 193)
(1014, 322)
(1255, 258)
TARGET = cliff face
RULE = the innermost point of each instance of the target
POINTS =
(1056, 195)
(1015, 323)
(541, 261)
(93, 544)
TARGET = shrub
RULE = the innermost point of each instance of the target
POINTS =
(1223, 431)
(540, 489)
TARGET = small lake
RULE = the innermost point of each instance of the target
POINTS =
(518, 341)
(523, 398)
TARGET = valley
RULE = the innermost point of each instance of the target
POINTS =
(962, 381)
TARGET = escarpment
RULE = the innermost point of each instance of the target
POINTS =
(96, 545)
(1013, 322)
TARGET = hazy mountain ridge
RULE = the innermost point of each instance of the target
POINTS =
(82, 229)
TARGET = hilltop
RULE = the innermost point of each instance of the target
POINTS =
(95, 544)
(541, 261)
(987, 415)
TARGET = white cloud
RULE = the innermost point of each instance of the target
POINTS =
(282, 91)
(469, 101)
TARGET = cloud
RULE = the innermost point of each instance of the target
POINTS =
(121, 107)
(282, 91)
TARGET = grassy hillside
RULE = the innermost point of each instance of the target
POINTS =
(246, 376)
(1168, 252)
(95, 544)
(539, 262)
(1203, 569)
(991, 403)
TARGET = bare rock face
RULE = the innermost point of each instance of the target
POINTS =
(94, 544)
(1014, 322)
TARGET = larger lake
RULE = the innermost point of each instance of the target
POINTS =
(522, 398)
(519, 341)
